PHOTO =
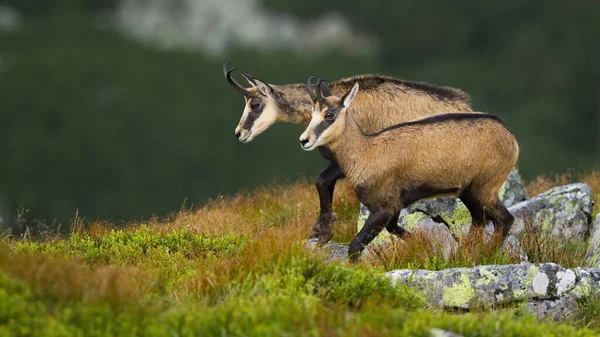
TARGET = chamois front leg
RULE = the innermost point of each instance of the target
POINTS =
(373, 226)
(393, 228)
(325, 186)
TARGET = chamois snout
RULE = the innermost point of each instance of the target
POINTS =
(305, 142)
(243, 135)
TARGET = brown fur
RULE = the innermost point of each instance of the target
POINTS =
(466, 155)
(453, 154)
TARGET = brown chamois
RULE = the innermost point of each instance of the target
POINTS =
(465, 155)
(381, 102)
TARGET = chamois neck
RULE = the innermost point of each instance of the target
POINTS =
(350, 146)
(293, 103)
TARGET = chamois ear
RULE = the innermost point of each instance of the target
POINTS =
(263, 87)
(349, 97)
(249, 78)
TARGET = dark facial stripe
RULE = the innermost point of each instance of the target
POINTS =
(252, 117)
(321, 127)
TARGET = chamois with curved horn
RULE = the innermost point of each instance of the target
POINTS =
(465, 155)
(233, 82)
(381, 102)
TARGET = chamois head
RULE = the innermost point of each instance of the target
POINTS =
(260, 110)
(328, 117)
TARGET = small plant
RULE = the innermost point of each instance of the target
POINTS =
(589, 308)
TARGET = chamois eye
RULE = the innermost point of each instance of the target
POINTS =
(254, 105)
(329, 115)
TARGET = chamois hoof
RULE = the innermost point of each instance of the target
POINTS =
(313, 235)
(324, 238)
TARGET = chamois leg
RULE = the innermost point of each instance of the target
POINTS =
(476, 209)
(501, 217)
(393, 228)
(373, 226)
(325, 186)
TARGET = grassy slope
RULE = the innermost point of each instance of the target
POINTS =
(235, 267)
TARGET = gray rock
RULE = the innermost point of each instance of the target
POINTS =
(443, 333)
(438, 234)
(560, 309)
(548, 291)
(593, 258)
(513, 191)
(489, 285)
(332, 251)
(562, 212)
(588, 280)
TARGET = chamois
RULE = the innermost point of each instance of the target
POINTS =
(393, 100)
(466, 155)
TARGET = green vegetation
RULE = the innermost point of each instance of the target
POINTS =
(235, 267)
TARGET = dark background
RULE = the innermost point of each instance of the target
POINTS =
(93, 120)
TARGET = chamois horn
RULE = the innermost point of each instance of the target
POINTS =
(322, 89)
(233, 82)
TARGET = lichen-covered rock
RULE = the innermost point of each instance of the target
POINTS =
(332, 251)
(588, 280)
(560, 309)
(488, 285)
(593, 258)
(562, 212)
(440, 236)
(513, 191)
(450, 212)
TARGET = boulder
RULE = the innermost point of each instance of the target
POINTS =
(548, 291)
(513, 191)
(488, 286)
(332, 251)
(560, 309)
(562, 212)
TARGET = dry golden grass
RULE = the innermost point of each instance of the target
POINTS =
(251, 214)
(70, 280)
(420, 250)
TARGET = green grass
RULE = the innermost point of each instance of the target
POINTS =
(237, 267)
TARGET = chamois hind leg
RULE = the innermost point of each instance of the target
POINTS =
(476, 210)
(325, 186)
(501, 217)
(393, 228)
(373, 226)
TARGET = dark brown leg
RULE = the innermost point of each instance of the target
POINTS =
(373, 226)
(501, 218)
(393, 228)
(325, 187)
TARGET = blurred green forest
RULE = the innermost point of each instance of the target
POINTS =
(95, 121)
